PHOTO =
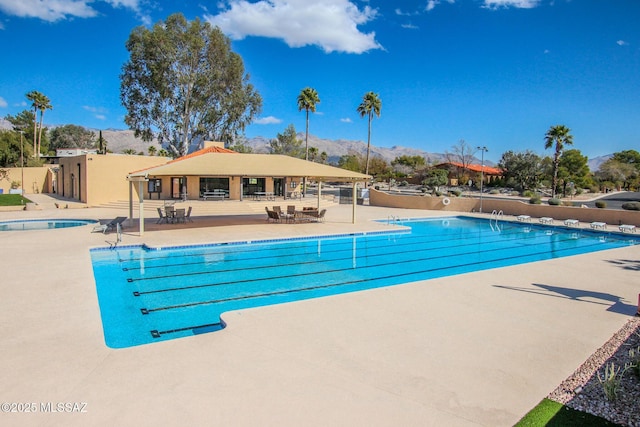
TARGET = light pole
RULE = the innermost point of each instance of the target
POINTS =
(22, 163)
(483, 149)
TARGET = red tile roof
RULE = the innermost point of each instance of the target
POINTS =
(475, 168)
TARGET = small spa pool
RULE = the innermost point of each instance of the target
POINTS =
(43, 224)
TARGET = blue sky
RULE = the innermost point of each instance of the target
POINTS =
(495, 73)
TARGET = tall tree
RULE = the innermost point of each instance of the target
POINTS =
(287, 143)
(183, 83)
(45, 104)
(573, 169)
(72, 136)
(557, 136)
(522, 170)
(307, 101)
(39, 102)
(371, 104)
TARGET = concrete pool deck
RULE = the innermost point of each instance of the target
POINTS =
(479, 349)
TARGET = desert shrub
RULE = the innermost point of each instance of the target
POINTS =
(631, 206)
(554, 202)
(437, 193)
(535, 200)
(494, 191)
(594, 189)
(515, 193)
(601, 204)
(455, 193)
(528, 193)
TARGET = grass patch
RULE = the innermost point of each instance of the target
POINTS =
(550, 413)
(13, 200)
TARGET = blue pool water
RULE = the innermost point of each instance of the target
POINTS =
(147, 295)
(43, 224)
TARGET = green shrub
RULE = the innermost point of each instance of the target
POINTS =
(610, 381)
(601, 204)
(494, 191)
(515, 193)
(631, 206)
(456, 193)
(437, 193)
(528, 193)
(554, 202)
(535, 200)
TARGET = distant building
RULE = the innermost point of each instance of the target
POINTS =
(459, 174)
(71, 152)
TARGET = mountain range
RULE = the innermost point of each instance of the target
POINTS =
(120, 140)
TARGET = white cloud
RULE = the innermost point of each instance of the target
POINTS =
(330, 24)
(55, 10)
(431, 4)
(270, 120)
(410, 26)
(346, 120)
(521, 4)
(3, 103)
(100, 117)
(622, 43)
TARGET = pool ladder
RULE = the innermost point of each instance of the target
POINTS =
(392, 219)
(118, 237)
(495, 218)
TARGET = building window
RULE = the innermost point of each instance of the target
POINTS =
(211, 184)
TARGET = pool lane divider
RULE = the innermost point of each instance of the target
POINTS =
(146, 311)
(368, 256)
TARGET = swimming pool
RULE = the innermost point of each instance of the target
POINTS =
(43, 224)
(147, 295)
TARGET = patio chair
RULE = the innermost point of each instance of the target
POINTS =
(161, 218)
(188, 215)
(321, 215)
(180, 216)
(291, 209)
(112, 225)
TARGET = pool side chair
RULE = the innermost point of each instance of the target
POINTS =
(161, 216)
(112, 225)
(571, 222)
(188, 215)
(180, 216)
(546, 220)
(321, 215)
(627, 228)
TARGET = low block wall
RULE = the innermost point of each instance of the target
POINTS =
(508, 207)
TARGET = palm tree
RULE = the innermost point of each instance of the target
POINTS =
(307, 101)
(560, 136)
(45, 104)
(39, 102)
(371, 104)
(34, 96)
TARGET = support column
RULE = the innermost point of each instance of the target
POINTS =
(141, 205)
(354, 199)
(130, 199)
(319, 194)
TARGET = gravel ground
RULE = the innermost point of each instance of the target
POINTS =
(583, 391)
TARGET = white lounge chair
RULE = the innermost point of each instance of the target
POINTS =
(598, 225)
(546, 220)
(571, 222)
(627, 227)
(523, 218)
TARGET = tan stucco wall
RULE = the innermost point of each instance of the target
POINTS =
(103, 178)
(508, 207)
(35, 179)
